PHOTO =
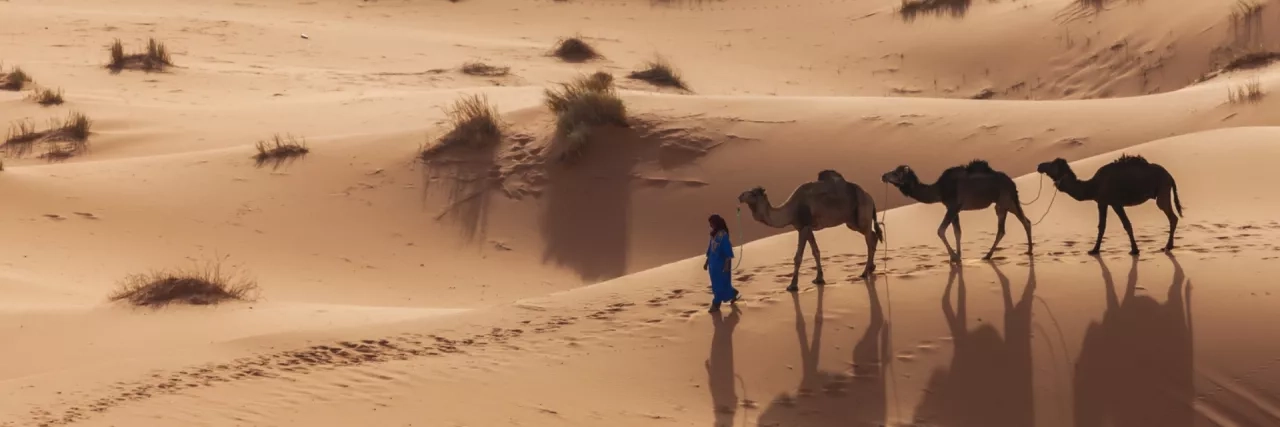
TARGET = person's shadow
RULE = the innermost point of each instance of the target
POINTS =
(720, 370)
(1135, 366)
(989, 380)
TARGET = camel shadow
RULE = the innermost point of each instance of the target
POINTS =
(720, 369)
(845, 400)
(989, 380)
(467, 175)
(1136, 365)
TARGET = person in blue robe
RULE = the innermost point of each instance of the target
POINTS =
(719, 262)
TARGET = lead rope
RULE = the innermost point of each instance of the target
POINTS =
(1039, 190)
(743, 248)
(1046, 210)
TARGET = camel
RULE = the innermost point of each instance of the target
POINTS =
(964, 188)
(830, 201)
(1127, 181)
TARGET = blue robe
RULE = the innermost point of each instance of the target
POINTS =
(719, 254)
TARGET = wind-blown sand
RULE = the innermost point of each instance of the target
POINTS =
(497, 290)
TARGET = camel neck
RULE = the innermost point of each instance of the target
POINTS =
(923, 193)
(1077, 189)
(765, 213)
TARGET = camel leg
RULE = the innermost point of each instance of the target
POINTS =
(1165, 205)
(1001, 213)
(1102, 228)
(869, 233)
(817, 258)
(942, 234)
(955, 226)
(795, 274)
(1026, 225)
(1128, 228)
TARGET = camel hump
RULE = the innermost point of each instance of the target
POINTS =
(830, 176)
(979, 166)
(1127, 159)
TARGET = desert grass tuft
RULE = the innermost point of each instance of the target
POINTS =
(911, 9)
(659, 72)
(1246, 11)
(155, 58)
(484, 70)
(475, 123)
(1247, 93)
(278, 150)
(14, 80)
(574, 49)
(583, 104)
(70, 136)
(206, 284)
(47, 97)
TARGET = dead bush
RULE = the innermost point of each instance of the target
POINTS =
(583, 104)
(155, 58)
(574, 49)
(14, 80)
(47, 97)
(279, 150)
(911, 9)
(474, 122)
(484, 70)
(66, 137)
(659, 72)
(206, 284)
(1247, 93)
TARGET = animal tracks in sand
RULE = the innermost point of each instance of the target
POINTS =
(1195, 237)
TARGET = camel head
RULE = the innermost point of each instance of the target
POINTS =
(900, 177)
(753, 197)
(1056, 169)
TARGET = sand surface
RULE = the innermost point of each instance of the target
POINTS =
(503, 288)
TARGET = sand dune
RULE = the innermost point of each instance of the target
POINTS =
(501, 287)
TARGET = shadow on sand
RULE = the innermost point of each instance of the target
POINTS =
(826, 398)
(720, 370)
(468, 177)
(586, 216)
(1135, 367)
(989, 380)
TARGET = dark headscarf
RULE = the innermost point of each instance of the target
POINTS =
(717, 224)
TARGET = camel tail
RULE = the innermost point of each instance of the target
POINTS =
(1176, 202)
(879, 233)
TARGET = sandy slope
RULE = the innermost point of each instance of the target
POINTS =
(467, 280)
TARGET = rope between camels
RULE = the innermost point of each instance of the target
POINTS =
(1046, 210)
(1039, 190)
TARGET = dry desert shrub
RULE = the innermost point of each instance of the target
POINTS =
(583, 104)
(47, 97)
(1246, 11)
(911, 9)
(484, 70)
(574, 49)
(206, 284)
(14, 80)
(659, 72)
(278, 150)
(155, 58)
(63, 138)
(1249, 92)
(475, 123)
